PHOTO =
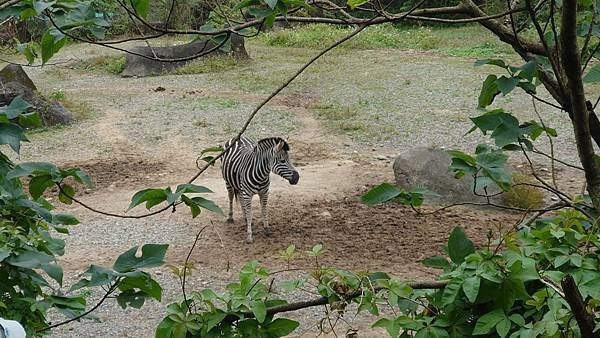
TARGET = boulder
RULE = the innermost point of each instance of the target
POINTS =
(15, 82)
(428, 168)
(136, 65)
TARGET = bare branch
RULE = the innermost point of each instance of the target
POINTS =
(585, 321)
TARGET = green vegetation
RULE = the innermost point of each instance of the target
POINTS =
(522, 195)
(465, 41)
(340, 117)
(212, 64)
(30, 244)
(114, 64)
(80, 110)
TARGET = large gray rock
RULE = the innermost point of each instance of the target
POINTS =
(428, 168)
(15, 82)
(136, 65)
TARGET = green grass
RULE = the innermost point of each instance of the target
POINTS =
(209, 65)
(340, 117)
(78, 109)
(114, 64)
(464, 41)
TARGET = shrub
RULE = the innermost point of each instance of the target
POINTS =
(522, 195)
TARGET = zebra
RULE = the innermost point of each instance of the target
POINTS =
(246, 166)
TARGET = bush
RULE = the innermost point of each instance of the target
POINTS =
(522, 195)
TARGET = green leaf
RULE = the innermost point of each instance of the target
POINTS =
(503, 327)
(271, 3)
(192, 188)
(506, 84)
(50, 45)
(355, 3)
(66, 193)
(593, 75)
(39, 184)
(437, 262)
(141, 7)
(489, 90)
(152, 197)
(12, 135)
(391, 326)
(380, 194)
(459, 246)
(35, 168)
(451, 291)
(207, 204)
(3, 254)
(432, 332)
(487, 322)
(132, 298)
(16, 107)
(152, 255)
(63, 218)
(30, 120)
(30, 259)
(529, 70)
(259, 309)
(471, 288)
(194, 208)
(524, 270)
(494, 62)
(143, 283)
(54, 271)
(281, 327)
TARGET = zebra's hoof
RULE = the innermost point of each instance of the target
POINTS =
(267, 231)
(248, 240)
(230, 220)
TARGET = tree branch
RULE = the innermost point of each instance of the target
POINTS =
(584, 320)
(324, 300)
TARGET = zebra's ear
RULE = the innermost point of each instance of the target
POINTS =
(279, 146)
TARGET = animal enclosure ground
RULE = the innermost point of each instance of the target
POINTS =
(345, 119)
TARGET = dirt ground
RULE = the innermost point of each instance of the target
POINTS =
(335, 169)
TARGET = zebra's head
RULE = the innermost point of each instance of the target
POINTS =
(282, 165)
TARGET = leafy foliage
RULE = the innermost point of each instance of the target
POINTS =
(30, 278)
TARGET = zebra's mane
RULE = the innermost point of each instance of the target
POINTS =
(272, 141)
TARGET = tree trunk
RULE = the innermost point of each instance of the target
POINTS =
(584, 320)
(571, 64)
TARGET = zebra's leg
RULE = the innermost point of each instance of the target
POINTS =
(230, 193)
(246, 202)
(264, 196)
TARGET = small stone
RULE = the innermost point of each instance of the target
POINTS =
(355, 151)
(554, 198)
(158, 272)
(346, 144)
(325, 214)
(544, 169)
(159, 89)
(381, 157)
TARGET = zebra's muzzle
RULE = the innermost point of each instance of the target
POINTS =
(295, 178)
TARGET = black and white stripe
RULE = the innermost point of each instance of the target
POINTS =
(246, 166)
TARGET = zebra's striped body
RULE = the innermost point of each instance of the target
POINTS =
(246, 166)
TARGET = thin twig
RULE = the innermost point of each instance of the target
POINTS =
(185, 267)
(100, 302)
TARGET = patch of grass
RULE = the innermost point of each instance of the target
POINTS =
(108, 64)
(79, 110)
(522, 195)
(208, 65)
(465, 41)
(340, 117)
